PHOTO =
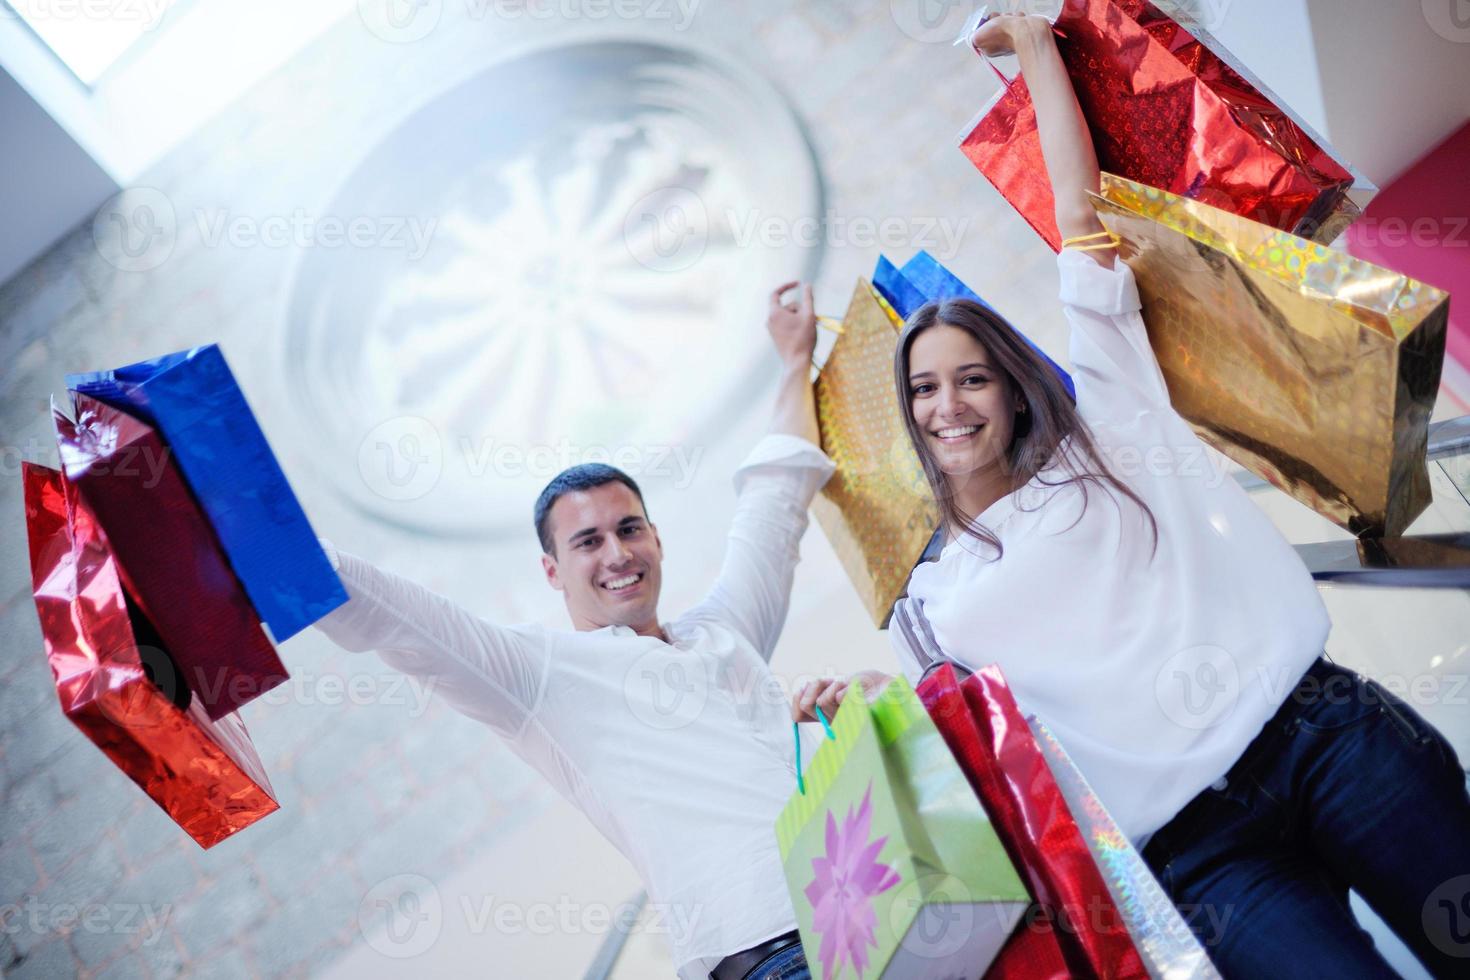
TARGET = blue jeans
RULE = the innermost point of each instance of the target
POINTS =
(1346, 787)
(789, 964)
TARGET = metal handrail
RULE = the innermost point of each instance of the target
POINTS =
(612, 947)
(1449, 438)
(1429, 561)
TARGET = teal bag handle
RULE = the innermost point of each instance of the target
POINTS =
(796, 734)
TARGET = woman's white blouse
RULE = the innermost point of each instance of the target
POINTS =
(1155, 670)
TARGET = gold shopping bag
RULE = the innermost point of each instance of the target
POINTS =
(877, 509)
(1314, 370)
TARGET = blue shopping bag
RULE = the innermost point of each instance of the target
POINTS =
(923, 280)
(191, 397)
(904, 296)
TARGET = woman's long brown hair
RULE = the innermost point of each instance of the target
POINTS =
(1050, 418)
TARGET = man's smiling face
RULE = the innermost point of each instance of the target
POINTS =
(607, 559)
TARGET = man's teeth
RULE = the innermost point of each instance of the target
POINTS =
(963, 430)
(622, 583)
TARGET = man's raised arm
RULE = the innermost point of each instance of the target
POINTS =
(775, 485)
(491, 673)
(793, 330)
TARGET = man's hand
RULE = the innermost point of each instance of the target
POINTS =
(793, 326)
(827, 693)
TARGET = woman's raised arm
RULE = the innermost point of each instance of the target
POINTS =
(1066, 142)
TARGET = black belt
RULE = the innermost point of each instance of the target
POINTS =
(737, 965)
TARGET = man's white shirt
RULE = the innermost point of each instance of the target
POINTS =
(679, 753)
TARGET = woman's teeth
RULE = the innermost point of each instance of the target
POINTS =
(958, 432)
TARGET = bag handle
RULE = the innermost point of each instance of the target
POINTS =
(796, 734)
(833, 325)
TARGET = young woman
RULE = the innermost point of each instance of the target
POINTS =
(1145, 609)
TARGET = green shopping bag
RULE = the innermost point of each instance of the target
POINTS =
(893, 866)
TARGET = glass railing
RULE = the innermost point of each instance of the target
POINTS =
(1436, 552)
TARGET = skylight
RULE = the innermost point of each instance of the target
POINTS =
(89, 36)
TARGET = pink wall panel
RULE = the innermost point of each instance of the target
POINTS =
(1420, 225)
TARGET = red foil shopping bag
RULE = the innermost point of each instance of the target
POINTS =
(1032, 954)
(192, 399)
(118, 688)
(1168, 112)
(168, 556)
(1075, 923)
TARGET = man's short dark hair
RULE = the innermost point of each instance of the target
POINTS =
(582, 477)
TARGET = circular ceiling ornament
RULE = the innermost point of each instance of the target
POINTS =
(563, 259)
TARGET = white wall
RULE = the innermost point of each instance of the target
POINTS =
(51, 183)
(69, 148)
(199, 58)
(1394, 76)
(1382, 80)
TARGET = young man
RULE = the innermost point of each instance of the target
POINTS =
(664, 733)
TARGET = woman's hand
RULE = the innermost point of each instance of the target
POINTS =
(793, 326)
(827, 693)
(1002, 34)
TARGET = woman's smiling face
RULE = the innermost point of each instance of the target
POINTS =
(961, 401)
